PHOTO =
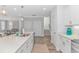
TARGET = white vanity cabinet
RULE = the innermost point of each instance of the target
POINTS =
(26, 46)
(17, 44)
(69, 44)
(65, 45)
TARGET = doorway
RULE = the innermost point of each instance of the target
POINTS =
(47, 26)
(45, 42)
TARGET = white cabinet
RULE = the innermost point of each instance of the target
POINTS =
(70, 44)
(27, 46)
(75, 46)
(66, 45)
(21, 49)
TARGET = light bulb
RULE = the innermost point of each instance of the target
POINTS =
(15, 9)
(44, 8)
(22, 19)
(3, 11)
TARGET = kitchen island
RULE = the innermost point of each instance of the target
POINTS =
(17, 44)
(69, 43)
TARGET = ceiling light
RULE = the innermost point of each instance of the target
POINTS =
(15, 9)
(22, 19)
(44, 8)
(3, 11)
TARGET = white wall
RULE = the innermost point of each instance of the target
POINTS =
(71, 13)
(60, 20)
(34, 24)
(46, 23)
(75, 14)
(57, 26)
(66, 15)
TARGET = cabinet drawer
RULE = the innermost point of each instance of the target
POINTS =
(66, 45)
(27, 46)
(20, 50)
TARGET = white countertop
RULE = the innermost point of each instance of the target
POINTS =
(71, 37)
(12, 43)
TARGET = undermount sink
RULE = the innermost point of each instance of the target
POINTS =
(26, 34)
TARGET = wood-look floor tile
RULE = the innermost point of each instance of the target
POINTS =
(43, 45)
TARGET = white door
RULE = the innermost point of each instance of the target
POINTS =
(28, 25)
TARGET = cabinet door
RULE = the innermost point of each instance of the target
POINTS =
(38, 27)
(30, 43)
(66, 45)
(26, 47)
(20, 50)
(62, 43)
(28, 25)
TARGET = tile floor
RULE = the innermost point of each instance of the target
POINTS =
(43, 45)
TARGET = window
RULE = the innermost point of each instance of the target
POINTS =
(10, 25)
(3, 25)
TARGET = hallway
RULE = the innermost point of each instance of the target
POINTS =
(43, 45)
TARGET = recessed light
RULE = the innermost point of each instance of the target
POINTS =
(44, 8)
(15, 9)
(22, 19)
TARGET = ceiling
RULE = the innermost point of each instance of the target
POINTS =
(27, 10)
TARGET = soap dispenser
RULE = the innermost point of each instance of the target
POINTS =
(69, 31)
(69, 28)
